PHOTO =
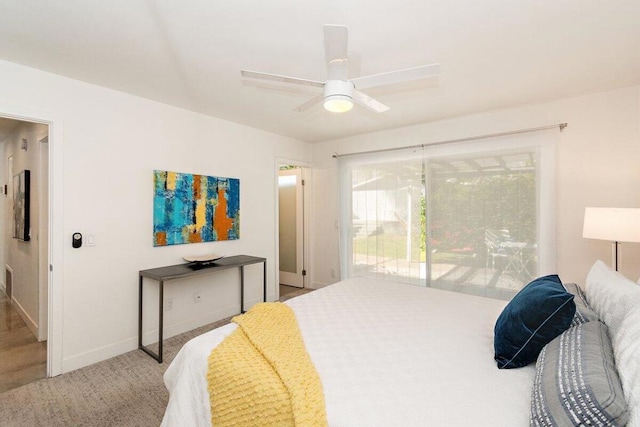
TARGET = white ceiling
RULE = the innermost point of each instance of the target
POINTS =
(493, 53)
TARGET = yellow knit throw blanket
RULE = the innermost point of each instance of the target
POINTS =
(262, 375)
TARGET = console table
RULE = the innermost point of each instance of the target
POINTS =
(180, 271)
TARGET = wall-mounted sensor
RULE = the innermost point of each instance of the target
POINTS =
(76, 240)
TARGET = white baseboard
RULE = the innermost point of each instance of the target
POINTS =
(319, 285)
(98, 355)
(111, 350)
(270, 297)
(31, 324)
(190, 324)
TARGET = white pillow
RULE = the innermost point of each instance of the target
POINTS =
(627, 358)
(611, 295)
(616, 300)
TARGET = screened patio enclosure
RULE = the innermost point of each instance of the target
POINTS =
(466, 222)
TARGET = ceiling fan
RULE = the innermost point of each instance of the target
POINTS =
(339, 93)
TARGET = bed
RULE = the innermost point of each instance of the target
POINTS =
(387, 354)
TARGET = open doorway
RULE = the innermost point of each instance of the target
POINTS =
(24, 251)
(292, 180)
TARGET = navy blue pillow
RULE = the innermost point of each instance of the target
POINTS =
(541, 311)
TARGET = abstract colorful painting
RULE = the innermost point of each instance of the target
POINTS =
(191, 208)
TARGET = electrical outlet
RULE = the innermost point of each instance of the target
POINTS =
(169, 304)
(197, 297)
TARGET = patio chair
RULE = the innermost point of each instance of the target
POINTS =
(494, 240)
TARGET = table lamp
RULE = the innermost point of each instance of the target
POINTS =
(613, 224)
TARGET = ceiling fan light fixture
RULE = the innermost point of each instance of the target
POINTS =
(338, 96)
(338, 103)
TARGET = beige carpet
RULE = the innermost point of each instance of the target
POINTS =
(126, 390)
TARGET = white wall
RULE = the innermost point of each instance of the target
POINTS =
(598, 155)
(22, 256)
(112, 143)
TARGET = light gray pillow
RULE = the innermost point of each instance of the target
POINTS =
(584, 312)
(576, 381)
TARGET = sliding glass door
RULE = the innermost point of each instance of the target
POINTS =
(473, 220)
(387, 221)
(482, 224)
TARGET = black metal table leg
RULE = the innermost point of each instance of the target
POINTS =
(161, 322)
(140, 313)
(242, 289)
(264, 281)
(156, 356)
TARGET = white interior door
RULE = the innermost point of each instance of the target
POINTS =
(291, 238)
(43, 240)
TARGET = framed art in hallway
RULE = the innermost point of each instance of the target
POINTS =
(21, 193)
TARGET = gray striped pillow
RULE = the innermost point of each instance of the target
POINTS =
(584, 312)
(576, 381)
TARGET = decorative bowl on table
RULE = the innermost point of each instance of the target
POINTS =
(203, 259)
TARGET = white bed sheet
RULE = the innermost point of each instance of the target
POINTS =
(388, 354)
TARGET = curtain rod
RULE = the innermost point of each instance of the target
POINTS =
(561, 126)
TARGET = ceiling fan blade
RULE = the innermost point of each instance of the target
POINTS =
(271, 86)
(369, 102)
(279, 78)
(335, 50)
(398, 76)
(310, 103)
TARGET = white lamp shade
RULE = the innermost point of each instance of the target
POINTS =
(612, 224)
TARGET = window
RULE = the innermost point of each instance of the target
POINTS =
(474, 218)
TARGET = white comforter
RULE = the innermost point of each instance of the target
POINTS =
(388, 354)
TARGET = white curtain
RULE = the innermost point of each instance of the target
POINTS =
(475, 217)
